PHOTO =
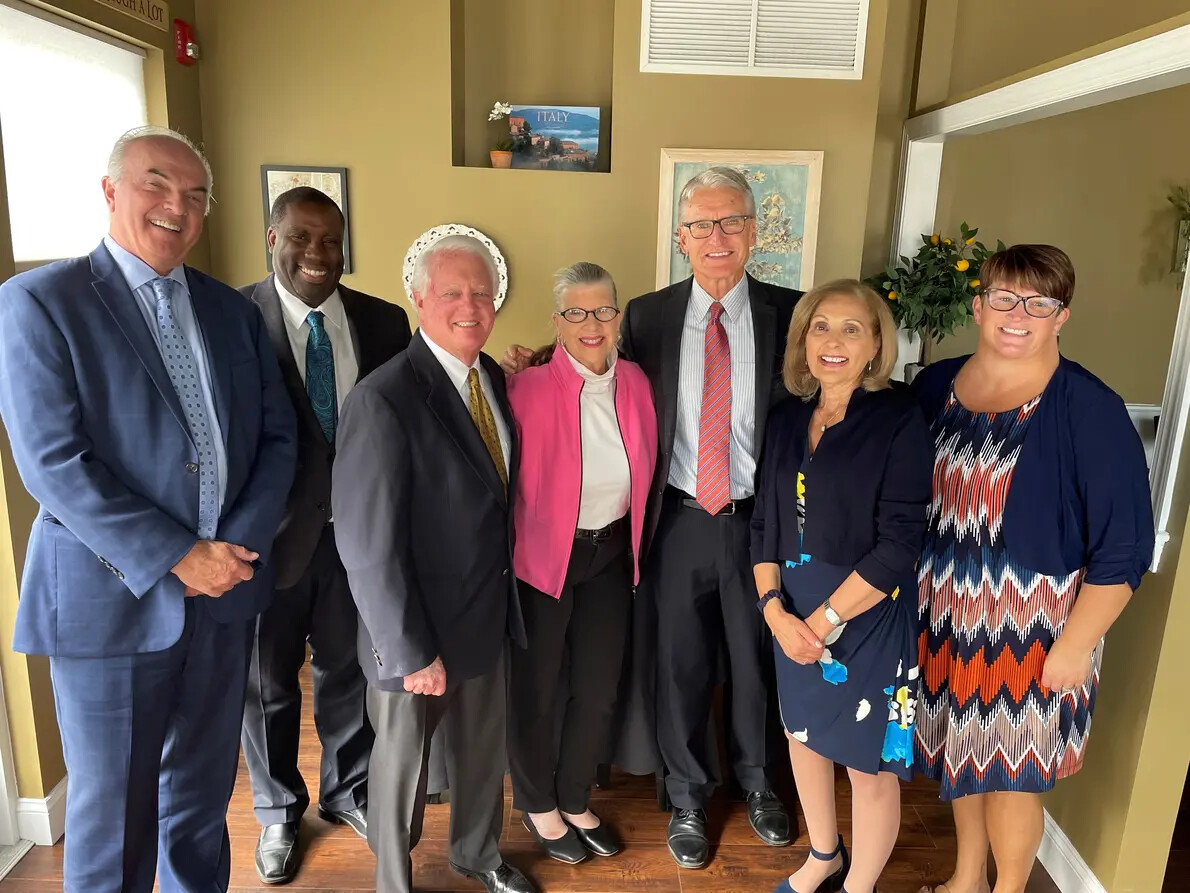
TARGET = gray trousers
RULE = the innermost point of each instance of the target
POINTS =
(472, 712)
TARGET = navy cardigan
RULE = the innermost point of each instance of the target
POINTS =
(867, 487)
(1080, 489)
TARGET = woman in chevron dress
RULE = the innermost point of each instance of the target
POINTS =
(1040, 531)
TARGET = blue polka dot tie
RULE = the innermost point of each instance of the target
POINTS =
(320, 375)
(183, 372)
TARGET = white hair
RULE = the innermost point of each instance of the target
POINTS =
(459, 244)
(582, 273)
(115, 161)
(718, 178)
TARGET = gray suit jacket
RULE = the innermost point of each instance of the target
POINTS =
(379, 331)
(423, 524)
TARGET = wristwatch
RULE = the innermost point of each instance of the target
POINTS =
(768, 596)
(831, 615)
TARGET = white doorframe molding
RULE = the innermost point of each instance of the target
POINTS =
(1144, 66)
(9, 829)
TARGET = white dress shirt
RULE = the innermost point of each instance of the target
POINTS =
(335, 322)
(139, 276)
(741, 340)
(457, 370)
(606, 479)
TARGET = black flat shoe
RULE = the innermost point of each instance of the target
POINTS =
(600, 840)
(567, 848)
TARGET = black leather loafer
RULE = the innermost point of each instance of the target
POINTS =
(504, 879)
(567, 848)
(277, 853)
(355, 819)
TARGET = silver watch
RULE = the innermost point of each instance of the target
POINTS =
(832, 616)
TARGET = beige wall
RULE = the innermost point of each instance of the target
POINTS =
(1092, 182)
(172, 98)
(996, 40)
(384, 111)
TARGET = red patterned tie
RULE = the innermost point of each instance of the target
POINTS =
(714, 425)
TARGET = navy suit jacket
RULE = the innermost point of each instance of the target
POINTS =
(101, 443)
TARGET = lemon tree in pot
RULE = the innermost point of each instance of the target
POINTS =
(930, 293)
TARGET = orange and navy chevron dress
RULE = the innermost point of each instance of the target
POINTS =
(984, 723)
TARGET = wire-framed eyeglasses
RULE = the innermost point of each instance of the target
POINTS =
(578, 314)
(1037, 306)
(729, 226)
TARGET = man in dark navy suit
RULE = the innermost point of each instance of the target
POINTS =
(148, 418)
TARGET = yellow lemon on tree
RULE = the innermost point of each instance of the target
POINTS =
(892, 295)
(975, 283)
(961, 266)
(969, 241)
(934, 239)
(946, 241)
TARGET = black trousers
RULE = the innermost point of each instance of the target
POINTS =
(700, 573)
(563, 687)
(320, 610)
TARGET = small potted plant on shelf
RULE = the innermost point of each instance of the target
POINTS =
(501, 152)
(930, 294)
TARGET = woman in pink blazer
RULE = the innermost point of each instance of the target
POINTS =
(588, 436)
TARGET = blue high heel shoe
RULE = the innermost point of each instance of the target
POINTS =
(834, 882)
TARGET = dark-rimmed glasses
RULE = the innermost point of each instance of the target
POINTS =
(578, 314)
(729, 226)
(1037, 306)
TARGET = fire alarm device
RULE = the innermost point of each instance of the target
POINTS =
(185, 44)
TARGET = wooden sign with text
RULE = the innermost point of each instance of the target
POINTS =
(151, 12)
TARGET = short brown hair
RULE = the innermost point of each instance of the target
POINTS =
(1042, 267)
(796, 373)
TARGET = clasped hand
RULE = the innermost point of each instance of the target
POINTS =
(428, 681)
(212, 567)
(795, 637)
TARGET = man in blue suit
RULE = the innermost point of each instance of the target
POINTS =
(148, 417)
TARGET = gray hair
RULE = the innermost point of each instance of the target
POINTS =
(718, 178)
(582, 273)
(115, 161)
(459, 244)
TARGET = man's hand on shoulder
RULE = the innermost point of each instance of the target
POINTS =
(515, 359)
(212, 567)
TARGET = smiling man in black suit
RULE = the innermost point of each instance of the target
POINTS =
(328, 337)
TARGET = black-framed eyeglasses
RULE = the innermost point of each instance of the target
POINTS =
(578, 314)
(1037, 306)
(729, 226)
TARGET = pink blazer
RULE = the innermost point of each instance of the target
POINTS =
(545, 403)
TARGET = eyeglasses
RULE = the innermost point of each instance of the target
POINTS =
(1037, 306)
(729, 226)
(578, 314)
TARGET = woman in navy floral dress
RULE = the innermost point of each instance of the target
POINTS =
(837, 529)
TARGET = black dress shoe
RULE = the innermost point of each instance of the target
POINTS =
(567, 848)
(356, 819)
(504, 879)
(687, 838)
(600, 840)
(276, 853)
(768, 818)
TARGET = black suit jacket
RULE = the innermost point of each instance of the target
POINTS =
(651, 336)
(379, 331)
(423, 524)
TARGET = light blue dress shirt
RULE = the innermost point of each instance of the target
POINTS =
(138, 275)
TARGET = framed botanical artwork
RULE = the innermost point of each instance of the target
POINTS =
(787, 186)
(278, 178)
(430, 236)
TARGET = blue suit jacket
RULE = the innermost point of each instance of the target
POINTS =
(101, 443)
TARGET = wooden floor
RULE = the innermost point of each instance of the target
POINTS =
(336, 861)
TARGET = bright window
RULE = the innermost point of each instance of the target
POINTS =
(66, 95)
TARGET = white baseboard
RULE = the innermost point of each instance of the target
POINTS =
(1064, 863)
(43, 820)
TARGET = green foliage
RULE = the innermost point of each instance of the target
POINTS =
(930, 294)
(1179, 197)
(503, 146)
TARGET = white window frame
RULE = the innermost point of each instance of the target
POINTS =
(751, 70)
(1145, 66)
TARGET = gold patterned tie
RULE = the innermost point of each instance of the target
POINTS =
(481, 414)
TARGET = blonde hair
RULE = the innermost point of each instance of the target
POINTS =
(796, 372)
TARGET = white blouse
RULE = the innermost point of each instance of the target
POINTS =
(605, 489)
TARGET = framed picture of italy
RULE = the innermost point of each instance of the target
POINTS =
(787, 186)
